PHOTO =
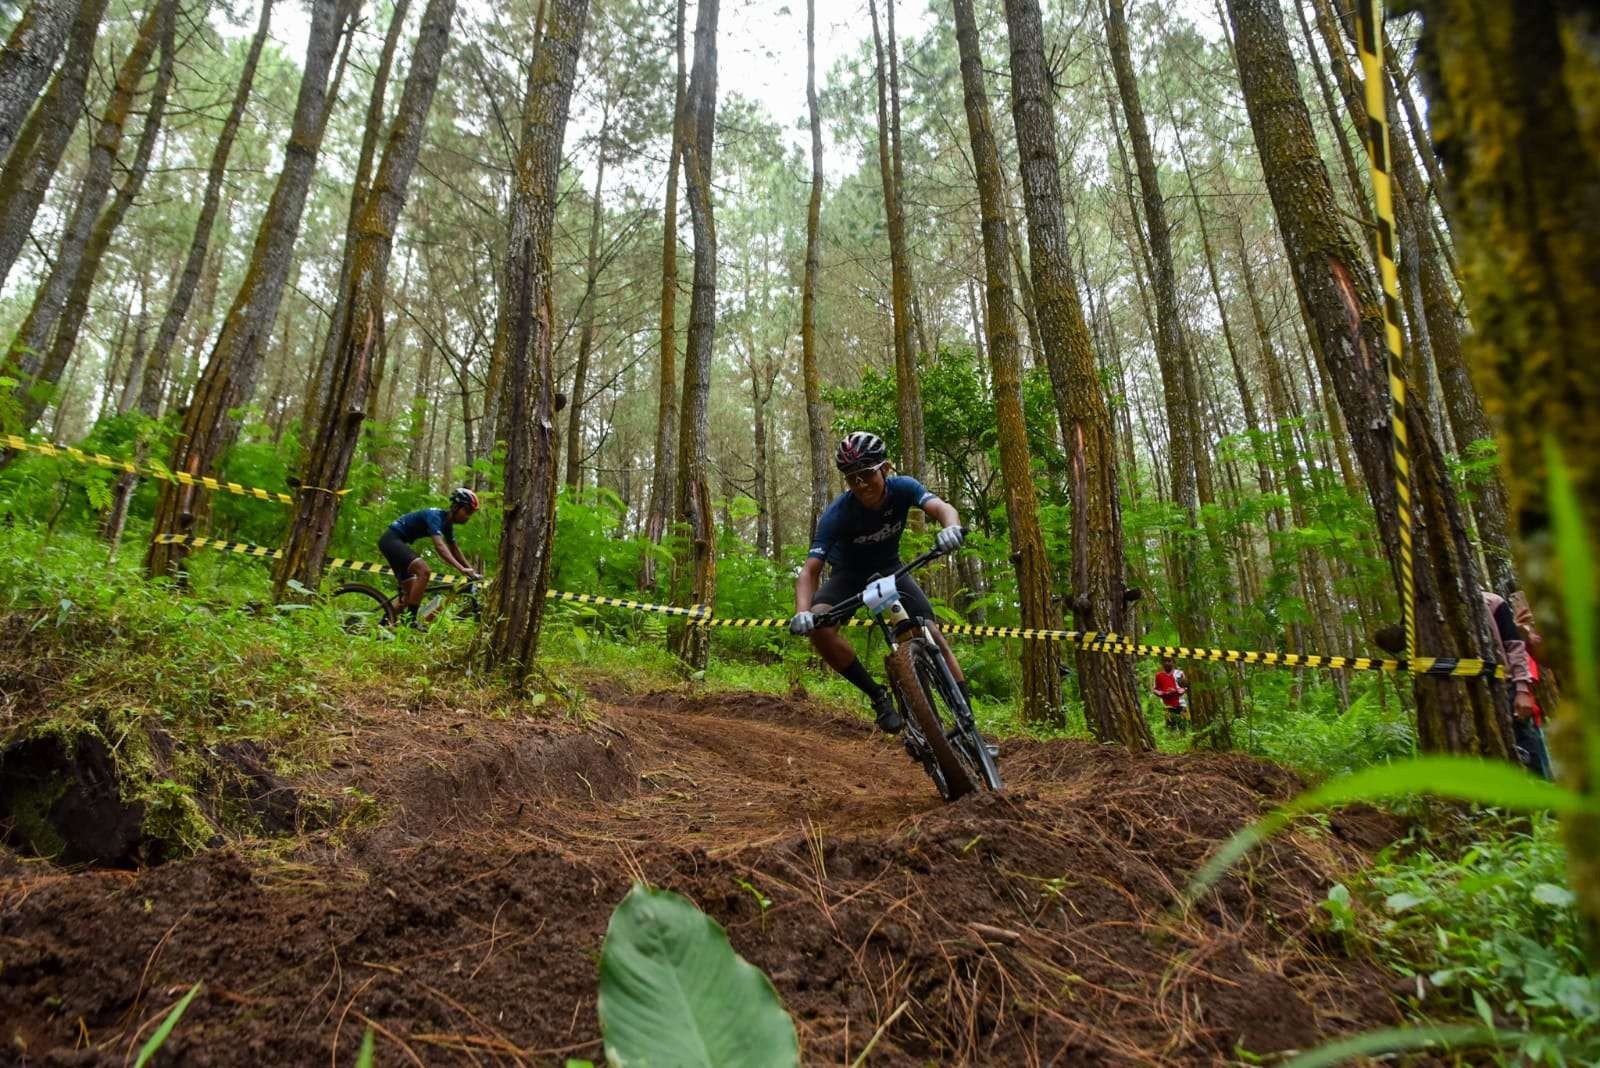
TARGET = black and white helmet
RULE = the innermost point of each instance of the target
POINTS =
(464, 496)
(859, 449)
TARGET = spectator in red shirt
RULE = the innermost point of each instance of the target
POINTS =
(1173, 689)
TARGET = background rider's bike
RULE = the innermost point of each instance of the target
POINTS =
(366, 608)
(940, 732)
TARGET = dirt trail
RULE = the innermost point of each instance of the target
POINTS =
(464, 924)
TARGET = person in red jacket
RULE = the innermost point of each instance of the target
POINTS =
(1173, 689)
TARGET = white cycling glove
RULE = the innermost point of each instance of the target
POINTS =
(949, 539)
(802, 623)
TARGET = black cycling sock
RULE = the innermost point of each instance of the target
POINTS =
(860, 679)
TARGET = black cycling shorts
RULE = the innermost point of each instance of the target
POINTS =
(398, 552)
(842, 585)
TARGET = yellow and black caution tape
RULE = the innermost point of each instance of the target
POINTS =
(1370, 44)
(697, 611)
(154, 470)
(1092, 640)
(245, 548)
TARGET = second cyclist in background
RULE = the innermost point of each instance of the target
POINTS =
(439, 524)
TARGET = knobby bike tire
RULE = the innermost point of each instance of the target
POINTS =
(969, 745)
(362, 607)
(902, 667)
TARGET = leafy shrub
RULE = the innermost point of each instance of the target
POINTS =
(1488, 929)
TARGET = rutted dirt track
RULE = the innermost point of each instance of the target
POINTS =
(465, 924)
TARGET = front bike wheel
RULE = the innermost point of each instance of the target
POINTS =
(954, 779)
(944, 696)
(362, 609)
(948, 699)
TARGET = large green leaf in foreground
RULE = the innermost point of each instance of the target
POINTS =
(674, 994)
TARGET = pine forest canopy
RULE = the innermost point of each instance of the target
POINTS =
(1057, 262)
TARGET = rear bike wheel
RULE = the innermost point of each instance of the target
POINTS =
(945, 697)
(363, 609)
(954, 779)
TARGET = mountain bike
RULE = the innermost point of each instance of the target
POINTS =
(940, 731)
(363, 608)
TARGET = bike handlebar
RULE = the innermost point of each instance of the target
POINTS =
(846, 608)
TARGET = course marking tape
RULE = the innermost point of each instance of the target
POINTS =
(154, 470)
(245, 548)
(1369, 17)
(1093, 641)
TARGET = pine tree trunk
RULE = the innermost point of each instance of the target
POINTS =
(76, 309)
(1354, 177)
(899, 269)
(1265, 483)
(330, 451)
(694, 490)
(199, 243)
(591, 278)
(322, 380)
(1438, 322)
(758, 404)
(663, 484)
(1177, 381)
(126, 482)
(916, 460)
(44, 137)
(1342, 303)
(183, 379)
(1041, 679)
(30, 357)
(132, 378)
(774, 507)
(816, 426)
(30, 54)
(1109, 691)
(420, 403)
(1523, 162)
(516, 606)
(236, 357)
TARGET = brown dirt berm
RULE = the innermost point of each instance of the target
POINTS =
(464, 924)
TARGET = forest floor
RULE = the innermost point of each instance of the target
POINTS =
(461, 915)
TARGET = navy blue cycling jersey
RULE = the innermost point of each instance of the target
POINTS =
(861, 540)
(425, 522)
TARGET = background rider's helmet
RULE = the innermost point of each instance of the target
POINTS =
(464, 496)
(859, 449)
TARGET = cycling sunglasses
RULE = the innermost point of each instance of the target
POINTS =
(864, 477)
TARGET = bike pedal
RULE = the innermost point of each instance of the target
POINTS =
(994, 750)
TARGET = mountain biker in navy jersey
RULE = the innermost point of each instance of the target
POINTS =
(858, 535)
(438, 523)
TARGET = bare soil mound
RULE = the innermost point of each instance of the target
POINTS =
(464, 922)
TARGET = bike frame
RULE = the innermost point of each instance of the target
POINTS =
(888, 605)
(447, 592)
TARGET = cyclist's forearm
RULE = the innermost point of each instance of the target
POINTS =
(451, 554)
(943, 512)
(805, 586)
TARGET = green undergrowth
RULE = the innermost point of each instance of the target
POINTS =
(1311, 730)
(161, 678)
(1478, 920)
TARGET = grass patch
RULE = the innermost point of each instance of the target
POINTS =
(1480, 921)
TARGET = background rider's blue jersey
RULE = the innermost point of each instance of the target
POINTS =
(861, 540)
(423, 523)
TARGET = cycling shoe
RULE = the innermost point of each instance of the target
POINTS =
(888, 717)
